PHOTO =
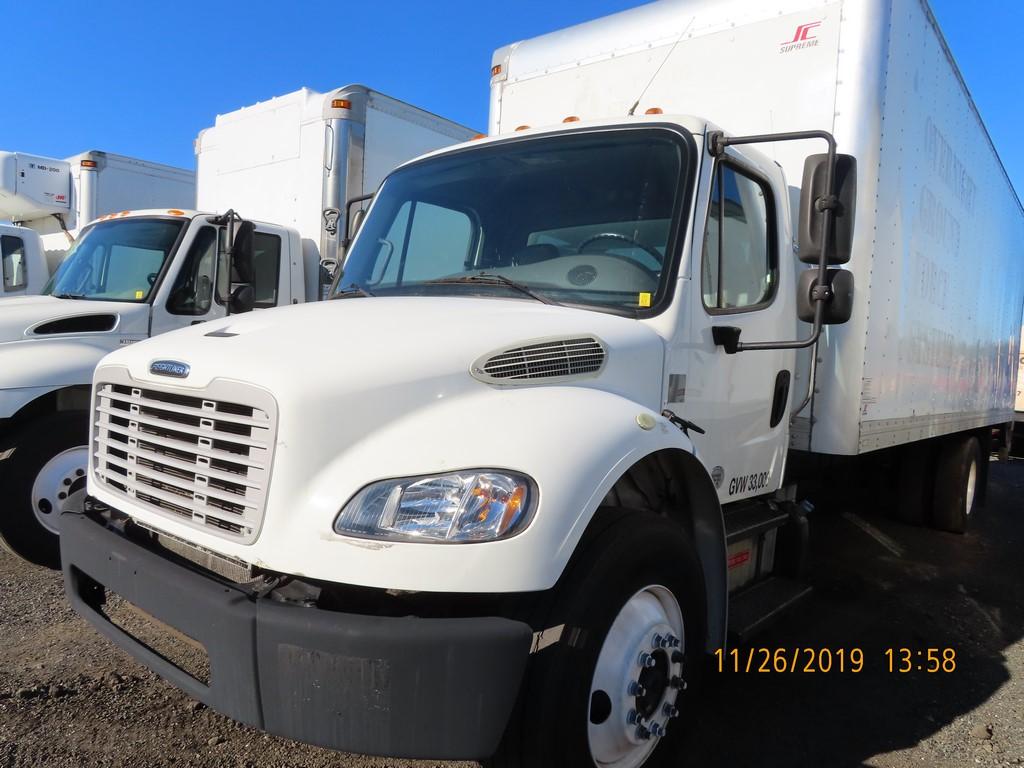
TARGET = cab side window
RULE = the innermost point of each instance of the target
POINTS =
(192, 293)
(14, 268)
(739, 263)
(266, 269)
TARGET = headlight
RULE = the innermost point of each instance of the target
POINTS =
(474, 505)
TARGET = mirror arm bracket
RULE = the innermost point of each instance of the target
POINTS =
(827, 204)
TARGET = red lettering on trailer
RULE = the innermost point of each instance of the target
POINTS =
(803, 32)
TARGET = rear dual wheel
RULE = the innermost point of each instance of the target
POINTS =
(614, 691)
(941, 482)
(42, 477)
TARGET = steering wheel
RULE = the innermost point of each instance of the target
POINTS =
(616, 236)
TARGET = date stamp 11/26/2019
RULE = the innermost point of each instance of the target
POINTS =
(826, 660)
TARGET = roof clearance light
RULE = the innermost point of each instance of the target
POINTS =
(496, 70)
(125, 213)
(341, 104)
(655, 111)
(176, 212)
(89, 163)
(478, 136)
(523, 128)
(571, 119)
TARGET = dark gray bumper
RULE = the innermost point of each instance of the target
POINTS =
(405, 687)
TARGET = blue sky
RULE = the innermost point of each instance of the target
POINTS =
(143, 78)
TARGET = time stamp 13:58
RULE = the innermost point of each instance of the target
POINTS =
(824, 660)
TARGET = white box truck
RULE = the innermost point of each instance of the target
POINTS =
(137, 273)
(52, 200)
(509, 517)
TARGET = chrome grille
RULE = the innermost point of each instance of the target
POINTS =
(557, 358)
(190, 457)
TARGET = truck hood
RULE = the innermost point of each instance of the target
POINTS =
(26, 318)
(366, 346)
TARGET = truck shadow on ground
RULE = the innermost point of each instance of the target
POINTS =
(880, 586)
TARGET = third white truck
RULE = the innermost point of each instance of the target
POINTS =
(50, 201)
(706, 247)
(284, 165)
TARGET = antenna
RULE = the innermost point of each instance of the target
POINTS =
(658, 70)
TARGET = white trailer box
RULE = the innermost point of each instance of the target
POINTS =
(56, 198)
(296, 159)
(938, 262)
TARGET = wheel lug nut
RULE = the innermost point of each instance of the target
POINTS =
(657, 729)
(670, 711)
(678, 683)
(643, 733)
(657, 641)
(632, 718)
(79, 472)
(67, 481)
(677, 657)
(635, 689)
(646, 660)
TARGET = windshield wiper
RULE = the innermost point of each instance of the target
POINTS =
(68, 296)
(489, 278)
(352, 290)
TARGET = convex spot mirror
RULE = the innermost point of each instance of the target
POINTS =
(811, 217)
(838, 308)
(242, 298)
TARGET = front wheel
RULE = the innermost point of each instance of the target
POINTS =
(611, 692)
(43, 476)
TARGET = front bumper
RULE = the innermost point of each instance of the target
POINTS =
(404, 687)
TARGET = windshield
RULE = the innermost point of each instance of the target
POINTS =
(117, 260)
(585, 219)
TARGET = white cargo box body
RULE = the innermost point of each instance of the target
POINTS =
(33, 187)
(938, 257)
(289, 159)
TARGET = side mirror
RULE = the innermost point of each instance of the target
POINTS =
(242, 298)
(838, 308)
(813, 191)
(242, 250)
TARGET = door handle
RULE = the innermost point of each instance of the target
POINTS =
(780, 399)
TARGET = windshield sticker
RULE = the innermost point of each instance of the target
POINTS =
(644, 299)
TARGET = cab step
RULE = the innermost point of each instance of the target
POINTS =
(754, 608)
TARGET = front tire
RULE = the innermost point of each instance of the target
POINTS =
(43, 477)
(609, 693)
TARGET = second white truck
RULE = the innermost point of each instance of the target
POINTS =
(286, 165)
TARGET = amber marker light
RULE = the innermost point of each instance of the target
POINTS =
(523, 128)
(176, 212)
(496, 70)
(341, 104)
(655, 111)
(571, 119)
(88, 163)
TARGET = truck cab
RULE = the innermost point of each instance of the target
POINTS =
(25, 270)
(127, 277)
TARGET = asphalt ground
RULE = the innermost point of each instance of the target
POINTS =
(68, 698)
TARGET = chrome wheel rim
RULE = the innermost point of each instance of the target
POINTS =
(637, 679)
(972, 485)
(60, 487)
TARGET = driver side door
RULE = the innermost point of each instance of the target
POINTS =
(187, 296)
